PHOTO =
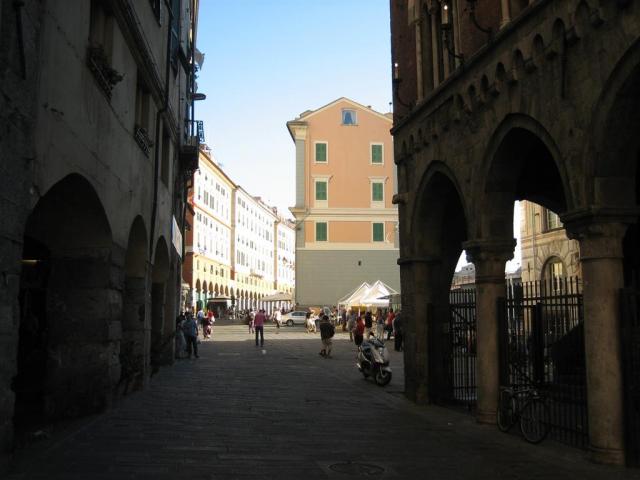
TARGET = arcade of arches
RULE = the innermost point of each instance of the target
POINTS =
(567, 142)
(96, 318)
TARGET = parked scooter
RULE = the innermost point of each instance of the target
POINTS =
(373, 360)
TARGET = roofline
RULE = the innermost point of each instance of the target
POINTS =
(348, 100)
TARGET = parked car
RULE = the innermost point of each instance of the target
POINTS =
(297, 317)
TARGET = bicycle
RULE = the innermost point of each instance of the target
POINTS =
(528, 408)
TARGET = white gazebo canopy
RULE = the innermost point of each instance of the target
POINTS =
(351, 298)
(369, 295)
(373, 297)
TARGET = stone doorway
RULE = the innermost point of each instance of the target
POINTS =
(69, 317)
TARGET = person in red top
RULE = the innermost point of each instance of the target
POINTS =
(258, 324)
(389, 326)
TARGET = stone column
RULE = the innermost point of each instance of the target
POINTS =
(602, 276)
(435, 50)
(489, 258)
(506, 13)
(418, 276)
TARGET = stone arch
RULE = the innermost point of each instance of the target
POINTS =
(226, 290)
(161, 346)
(614, 153)
(438, 230)
(134, 348)
(522, 162)
(69, 310)
(546, 273)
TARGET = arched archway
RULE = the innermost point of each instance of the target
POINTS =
(438, 229)
(135, 345)
(161, 344)
(521, 163)
(67, 325)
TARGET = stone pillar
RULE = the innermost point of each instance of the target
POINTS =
(506, 12)
(489, 258)
(435, 50)
(84, 312)
(419, 277)
(602, 276)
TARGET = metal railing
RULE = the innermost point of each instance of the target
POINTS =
(542, 345)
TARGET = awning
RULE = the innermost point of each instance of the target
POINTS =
(277, 297)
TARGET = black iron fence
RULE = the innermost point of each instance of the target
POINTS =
(542, 346)
(631, 360)
(462, 352)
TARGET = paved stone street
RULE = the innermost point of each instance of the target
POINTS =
(240, 412)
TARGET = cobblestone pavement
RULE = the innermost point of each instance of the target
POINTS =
(241, 412)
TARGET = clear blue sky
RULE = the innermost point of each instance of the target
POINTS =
(266, 61)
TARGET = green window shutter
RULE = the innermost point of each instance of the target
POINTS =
(376, 192)
(321, 232)
(376, 153)
(321, 190)
(321, 152)
(378, 232)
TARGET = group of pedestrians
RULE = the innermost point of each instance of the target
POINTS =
(187, 331)
(361, 325)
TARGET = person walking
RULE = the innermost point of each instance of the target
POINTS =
(327, 331)
(351, 324)
(398, 337)
(200, 319)
(258, 325)
(190, 330)
(379, 324)
(181, 343)
(368, 323)
(358, 332)
(277, 316)
(389, 324)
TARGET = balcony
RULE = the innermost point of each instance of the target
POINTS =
(189, 153)
(98, 63)
(141, 137)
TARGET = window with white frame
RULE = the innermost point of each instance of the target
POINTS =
(321, 153)
(378, 232)
(349, 117)
(321, 232)
(377, 154)
(377, 191)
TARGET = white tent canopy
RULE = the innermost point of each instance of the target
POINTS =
(277, 297)
(369, 295)
(355, 294)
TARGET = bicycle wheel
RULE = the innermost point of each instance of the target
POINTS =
(506, 415)
(534, 421)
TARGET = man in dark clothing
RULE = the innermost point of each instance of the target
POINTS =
(327, 331)
(397, 332)
(368, 323)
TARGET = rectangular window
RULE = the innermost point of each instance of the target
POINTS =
(321, 190)
(377, 192)
(376, 153)
(378, 232)
(321, 152)
(349, 117)
(553, 220)
(321, 231)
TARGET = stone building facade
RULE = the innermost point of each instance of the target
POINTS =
(96, 148)
(346, 225)
(498, 101)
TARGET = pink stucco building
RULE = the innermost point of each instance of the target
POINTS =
(345, 220)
